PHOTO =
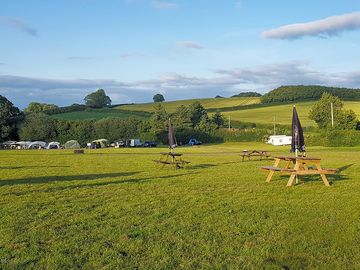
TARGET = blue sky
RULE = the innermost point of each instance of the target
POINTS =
(58, 51)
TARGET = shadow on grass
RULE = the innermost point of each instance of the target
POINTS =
(102, 183)
(343, 168)
(48, 179)
(32, 167)
(200, 166)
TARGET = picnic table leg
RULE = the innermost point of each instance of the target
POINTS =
(293, 175)
(323, 176)
(271, 173)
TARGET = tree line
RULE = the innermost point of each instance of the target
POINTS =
(307, 92)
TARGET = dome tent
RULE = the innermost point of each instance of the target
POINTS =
(100, 143)
(53, 145)
(37, 145)
(72, 144)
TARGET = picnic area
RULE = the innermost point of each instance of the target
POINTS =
(217, 212)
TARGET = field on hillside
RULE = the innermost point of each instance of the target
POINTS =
(100, 114)
(261, 115)
(114, 209)
(208, 103)
(283, 113)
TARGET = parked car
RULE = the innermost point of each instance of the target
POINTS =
(149, 144)
(194, 142)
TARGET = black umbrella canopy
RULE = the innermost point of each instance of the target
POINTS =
(297, 140)
(171, 136)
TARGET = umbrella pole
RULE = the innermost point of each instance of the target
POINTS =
(296, 155)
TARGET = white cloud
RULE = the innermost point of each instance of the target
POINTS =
(225, 82)
(18, 25)
(160, 4)
(322, 28)
(188, 44)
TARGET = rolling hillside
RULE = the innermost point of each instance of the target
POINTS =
(208, 103)
(260, 115)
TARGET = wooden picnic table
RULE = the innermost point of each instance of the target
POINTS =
(301, 166)
(250, 153)
(170, 158)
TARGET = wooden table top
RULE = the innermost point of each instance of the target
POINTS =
(171, 154)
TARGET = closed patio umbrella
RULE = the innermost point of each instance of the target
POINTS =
(297, 140)
(171, 137)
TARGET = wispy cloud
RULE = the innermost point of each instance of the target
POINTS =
(160, 4)
(327, 27)
(225, 82)
(189, 45)
(18, 25)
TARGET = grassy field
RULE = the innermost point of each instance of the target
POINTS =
(283, 113)
(261, 115)
(208, 103)
(114, 209)
(100, 114)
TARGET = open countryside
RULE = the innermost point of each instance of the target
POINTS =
(190, 135)
(260, 115)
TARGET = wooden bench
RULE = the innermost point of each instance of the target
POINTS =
(303, 166)
(78, 151)
(169, 158)
(259, 153)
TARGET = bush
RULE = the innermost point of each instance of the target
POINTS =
(334, 138)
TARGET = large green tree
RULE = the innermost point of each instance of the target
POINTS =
(158, 98)
(38, 126)
(197, 112)
(321, 113)
(97, 99)
(10, 118)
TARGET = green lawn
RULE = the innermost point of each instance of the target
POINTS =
(208, 103)
(113, 209)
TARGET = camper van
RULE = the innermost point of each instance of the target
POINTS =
(135, 143)
(278, 140)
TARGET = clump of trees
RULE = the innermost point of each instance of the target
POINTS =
(97, 99)
(10, 118)
(321, 113)
(247, 94)
(309, 92)
(36, 107)
(158, 98)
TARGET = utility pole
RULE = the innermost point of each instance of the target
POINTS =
(274, 126)
(332, 114)
(229, 122)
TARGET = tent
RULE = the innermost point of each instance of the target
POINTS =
(53, 145)
(100, 143)
(37, 145)
(72, 144)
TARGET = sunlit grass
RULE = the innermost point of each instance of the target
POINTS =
(114, 209)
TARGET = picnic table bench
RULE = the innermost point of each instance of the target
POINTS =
(169, 158)
(302, 166)
(250, 153)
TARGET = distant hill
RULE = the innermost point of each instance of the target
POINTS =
(208, 103)
(308, 92)
(247, 94)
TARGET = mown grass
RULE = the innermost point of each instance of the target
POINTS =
(114, 209)
(208, 103)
